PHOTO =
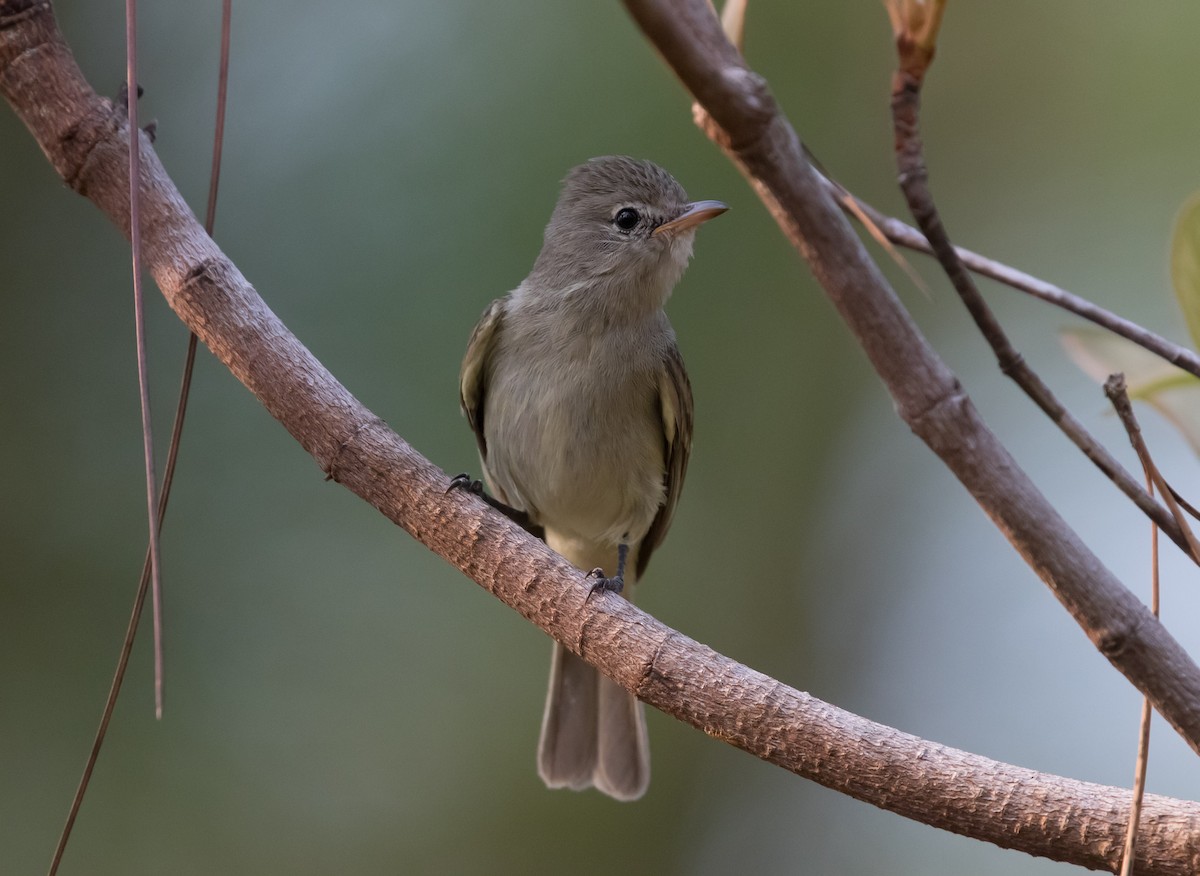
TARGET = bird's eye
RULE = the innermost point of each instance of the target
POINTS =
(626, 219)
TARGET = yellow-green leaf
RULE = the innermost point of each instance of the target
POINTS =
(1173, 392)
(1185, 264)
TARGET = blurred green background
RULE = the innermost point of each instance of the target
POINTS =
(339, 699)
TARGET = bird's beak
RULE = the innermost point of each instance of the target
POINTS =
(696, 212)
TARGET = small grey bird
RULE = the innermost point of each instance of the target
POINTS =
(582, 410)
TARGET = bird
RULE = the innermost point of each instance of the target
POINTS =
(582, 410)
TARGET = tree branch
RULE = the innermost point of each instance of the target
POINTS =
(903, 234)
(907, 81)
(737, 111)
(86, 139)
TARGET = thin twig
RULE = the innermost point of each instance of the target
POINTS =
(914, 182)
(135, 615)
(214, 177)
(1129, 851)
(1129, 855)
(139, 601)
(903, 234)
(1115, 389)
(139, 322)
(1184, 504)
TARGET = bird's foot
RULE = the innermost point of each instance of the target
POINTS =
(614, 584)
(475, 487)
(123, 95)
(465, 482)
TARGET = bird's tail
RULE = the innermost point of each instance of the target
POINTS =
(593, 730)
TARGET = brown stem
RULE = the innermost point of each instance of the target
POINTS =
(185, 386)
(902, 234)
(914, 182)
(1114, 388)
(132, 92)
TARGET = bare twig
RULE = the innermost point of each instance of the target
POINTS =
(114, 691)
(1142, 759)
(139, 322)
(1129, 850)
(135, 615)
(914, 182)
(214, 176)
(733, 22)
(1114, 388)
(965, 793)
(902, 234)
(1184, 504)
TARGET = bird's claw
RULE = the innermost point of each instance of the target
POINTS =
(614, 584)
(123, 95)
(465, 482)
(478, 489)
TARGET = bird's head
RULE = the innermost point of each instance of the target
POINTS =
(622, 229)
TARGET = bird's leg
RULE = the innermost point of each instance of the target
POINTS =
(475, 487)
(616, 583)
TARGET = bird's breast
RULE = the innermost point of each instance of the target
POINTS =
(574, 433)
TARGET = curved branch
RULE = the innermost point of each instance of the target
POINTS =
(736, 110)
(85, 138)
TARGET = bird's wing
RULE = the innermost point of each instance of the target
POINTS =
(675, 404)
(472, 379)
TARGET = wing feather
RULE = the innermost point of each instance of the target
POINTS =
(472, 380)
(675, 405)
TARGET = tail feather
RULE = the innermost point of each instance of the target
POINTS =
(623, 748)
(567, 749)
(593, 730)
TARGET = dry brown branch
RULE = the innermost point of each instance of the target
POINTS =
(86, 139)
(737, 111)
(168, 480)
(902, 234)
(1114, 388)
(907, 81)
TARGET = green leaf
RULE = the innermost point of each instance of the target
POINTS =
(1185, 264)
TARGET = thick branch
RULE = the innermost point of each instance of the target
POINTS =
(739, 113)
(85, 138)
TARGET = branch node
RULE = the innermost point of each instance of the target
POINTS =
(650, 671)
(761, 111)
(352, 437)
(755, 94)
(1114, 641)
(1011, 363)
(201, 273)
(953, 397)
(102, 122)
